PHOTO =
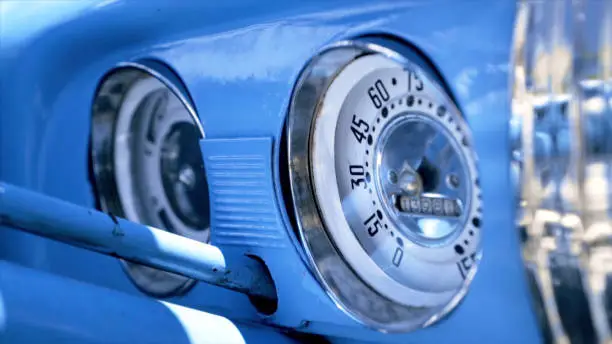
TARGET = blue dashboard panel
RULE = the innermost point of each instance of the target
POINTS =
(239, 61)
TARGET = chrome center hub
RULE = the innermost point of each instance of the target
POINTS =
(183, 177)
(422, 193)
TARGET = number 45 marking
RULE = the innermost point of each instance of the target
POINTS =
(359, 128)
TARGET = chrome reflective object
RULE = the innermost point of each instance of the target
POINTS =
(561, 132)
(236, 63)
(423, 153)
(384, 185)
(147, 164)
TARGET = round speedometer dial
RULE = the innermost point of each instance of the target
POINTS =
(384, 184)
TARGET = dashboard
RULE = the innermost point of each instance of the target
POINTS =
(358, 150)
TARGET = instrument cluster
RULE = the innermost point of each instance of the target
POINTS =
(353, 150)
(389, 219)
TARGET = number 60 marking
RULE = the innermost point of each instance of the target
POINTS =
(378, 94)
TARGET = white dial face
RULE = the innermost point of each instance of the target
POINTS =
(395, 181)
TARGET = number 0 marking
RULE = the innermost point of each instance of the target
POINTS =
(397, 256)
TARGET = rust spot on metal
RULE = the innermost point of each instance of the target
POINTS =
(304, 324)
(117, 231)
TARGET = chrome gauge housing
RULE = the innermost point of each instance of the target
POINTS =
(384, 185)
(560, 126)
(147, 164)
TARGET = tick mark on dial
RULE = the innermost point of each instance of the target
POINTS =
(392, 106)
(385, 112)
(459, 249)
(367, 151)
(400, 241)
(370, 139)
(441, 110)
(419, 102)
(471, 233)
(476, 222)
(410, 100)
(368, 177)
(379, 214)
(393, 81)
(430, 105)
(466, 242)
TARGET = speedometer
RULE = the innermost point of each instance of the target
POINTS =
(384, 184)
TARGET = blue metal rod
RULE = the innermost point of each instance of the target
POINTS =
(63, 221)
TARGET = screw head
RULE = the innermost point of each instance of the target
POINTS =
(453, 180)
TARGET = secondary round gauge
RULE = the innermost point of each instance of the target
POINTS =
(384, 184)
(147, 163)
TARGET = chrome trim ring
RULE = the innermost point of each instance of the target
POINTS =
(146, 162)
(353, 281)
(560, 138)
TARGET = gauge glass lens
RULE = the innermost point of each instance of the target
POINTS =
(394, 176)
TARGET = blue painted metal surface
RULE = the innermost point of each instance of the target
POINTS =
(239, 60)
(38, 307)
